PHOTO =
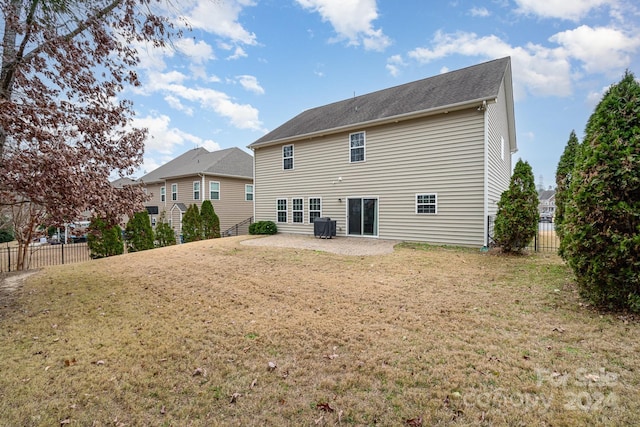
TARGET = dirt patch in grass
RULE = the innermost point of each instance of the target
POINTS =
(219, 333)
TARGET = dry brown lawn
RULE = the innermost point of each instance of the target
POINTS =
(216, 333)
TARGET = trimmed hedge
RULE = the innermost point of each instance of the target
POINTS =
(263, 227)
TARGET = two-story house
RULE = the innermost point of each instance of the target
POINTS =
(225, 177)
(424, 161)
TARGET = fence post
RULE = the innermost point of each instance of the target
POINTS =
(9, 257)
(63, 253)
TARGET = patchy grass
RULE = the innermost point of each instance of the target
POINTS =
(217, 333)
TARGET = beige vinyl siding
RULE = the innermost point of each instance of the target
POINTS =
(232, 208)
(442, 154)
(499, 169)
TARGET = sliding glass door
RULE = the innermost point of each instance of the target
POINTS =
(363, 216)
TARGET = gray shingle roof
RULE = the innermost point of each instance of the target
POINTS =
(228, 162)
(475, 83)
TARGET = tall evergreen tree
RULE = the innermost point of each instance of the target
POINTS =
(138, 233)
(563, 182)
(191, 224)
(164, 233)
(210, 221)
(602, 219)
(517, 219)
(103, 239)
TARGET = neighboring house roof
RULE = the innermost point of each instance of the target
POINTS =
(122, 182)
(180, 206)
(546, 194)
(448, 91)
(232, 162)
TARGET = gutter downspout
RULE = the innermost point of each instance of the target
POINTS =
(485, 220)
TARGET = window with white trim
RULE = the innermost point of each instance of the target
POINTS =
(214, 190)
(297, 209)
(196, 190)
(287, 157)
(153, 221)
(248, 192)
(315, 208)
(282, 210)
(163, 193)
(174, 192)
(427, 203)
(356, 147)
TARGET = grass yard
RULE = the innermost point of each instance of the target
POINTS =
(216, 333)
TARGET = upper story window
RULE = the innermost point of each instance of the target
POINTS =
(315, 208)
(163, 193)
(174, 192)
(196, 190)
(297, 210)
(287, 157)
(426, 203)
(248, 192)
(282, 210)
(356, 147)
(214, 190)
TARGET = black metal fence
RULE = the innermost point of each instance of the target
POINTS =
(241, 228)
(43, 255)
(545, 240)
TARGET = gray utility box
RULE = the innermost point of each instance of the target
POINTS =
(324, 228)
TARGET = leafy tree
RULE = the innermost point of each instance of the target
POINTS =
(602, 219)
(191, 224)
(210, 221)
(517, 219)
(104, 239)
(138, 232)
(563, 182)
(164, 233)
(63, 129)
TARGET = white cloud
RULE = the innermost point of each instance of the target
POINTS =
(242, 116)
(352, 20)
(219, 18)
(572, 10)
(163, 139)
(600, 49)
(199, 52)
(444, 70)
(480, 12)
(250, 83)
(238, 53)
(394, 63)
(541, 70)
(175, 103)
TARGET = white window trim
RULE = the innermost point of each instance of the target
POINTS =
(309, 210)
(174, 194)
(435, 203)
(298, 210)
(286, 210)
(364, 147)
(196, 183)
(219, 193)
(163, 194)
(246, 193)
(293, 163)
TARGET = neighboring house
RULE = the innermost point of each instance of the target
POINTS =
(424, 161)
(547, 204)
(225, 177)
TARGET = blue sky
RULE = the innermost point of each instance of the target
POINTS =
(247, 66)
